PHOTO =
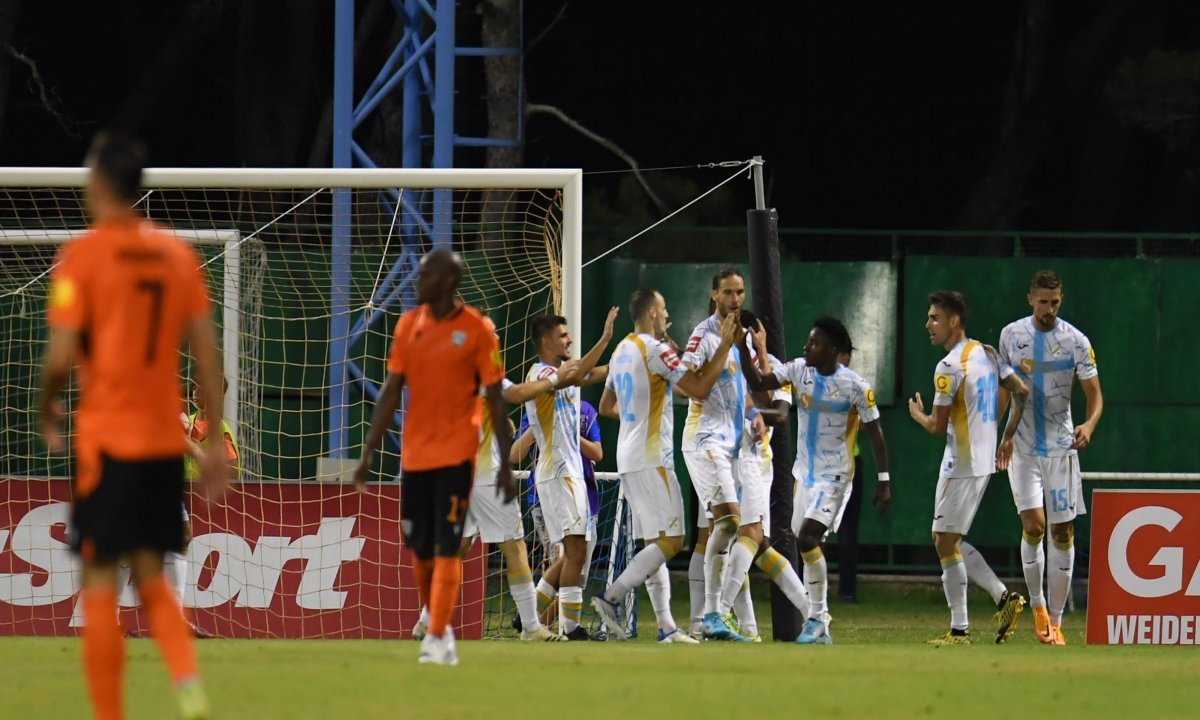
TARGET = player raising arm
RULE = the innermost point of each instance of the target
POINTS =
(443, 350)
(827, 395)
(124, 298)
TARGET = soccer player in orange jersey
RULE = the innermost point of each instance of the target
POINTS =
(124, 298)
(443, 351)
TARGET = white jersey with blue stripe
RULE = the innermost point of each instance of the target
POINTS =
(715, 424)
(554, 421)
(825, 410)
(640, 374)
(1048, 362)
(968, 381)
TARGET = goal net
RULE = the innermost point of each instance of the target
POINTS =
(309, 271)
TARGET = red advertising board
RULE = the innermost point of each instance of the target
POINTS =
(1144, 577)
(272, 560)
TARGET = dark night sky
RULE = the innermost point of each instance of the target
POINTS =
(868, 114)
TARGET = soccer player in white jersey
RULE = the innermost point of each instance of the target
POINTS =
(965, 407)
(638, 394)
(712, 442)
(826, 393)
(562, 493)
(497, 522)
(1048, 353)
(755, 476)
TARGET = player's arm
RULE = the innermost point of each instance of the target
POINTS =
(231, 455)
(521, 447)
(587, 372)
(699, 383)
(934, 424)
(494, 396)
(591, 449)
(1095, 406)
(381, 419)
(755, 379)
(202, 343)
(522, 392)
(56, 371)
(608, 404)
(883, 486)
(777, 413)
(1004, 449)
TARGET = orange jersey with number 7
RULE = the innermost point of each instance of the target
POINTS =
(130, 289)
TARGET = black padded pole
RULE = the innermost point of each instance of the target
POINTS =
(763, 234)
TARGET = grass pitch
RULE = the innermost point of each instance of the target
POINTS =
(878, 668)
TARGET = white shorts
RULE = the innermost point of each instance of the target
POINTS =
(492, 520)
(713, 476)
(956, 502)
(754, 496)
(1050, 482)
(565, 510)
(655, 502)
(823, 501)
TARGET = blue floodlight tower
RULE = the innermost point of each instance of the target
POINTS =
(429, 35)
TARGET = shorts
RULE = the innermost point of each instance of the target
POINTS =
(565, 510)
(134, 506)
(754, 496)
(1050, 482)
(823, 501)
(434, 505)
(655, 502)
(956, 502)
(713, 476)
(491, 519)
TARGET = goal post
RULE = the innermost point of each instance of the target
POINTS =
(285, 555)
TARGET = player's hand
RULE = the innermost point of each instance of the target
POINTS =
(214, 471)
(609, 322)
(52, 417)
(1004, 453)
(568, 373)
(362, 474)
(731, 332)
(506, 488)
(916, 408)
(760, 339)
(883, 496)
(1083, 436)
(760, 428)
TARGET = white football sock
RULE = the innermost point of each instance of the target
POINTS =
(1058, 578)
(981, 573)
(816, 579)
(741, 557)
(696, 587)
(715, 557)
(658, 587)
(524, 595)
(954, 584)
(784, 575)
(643, 566)
(743, 605)
(570, 608)
(545, 594)
(1033, 564)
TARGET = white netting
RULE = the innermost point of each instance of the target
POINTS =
(301, 558)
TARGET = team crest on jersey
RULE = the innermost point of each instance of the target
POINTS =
(1027, 366)
(458, 337)
(805, 401)
(1056, 351)
(942, 384)
(63, 293)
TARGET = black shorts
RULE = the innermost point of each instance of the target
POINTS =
(136, 505)
(433, 508)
